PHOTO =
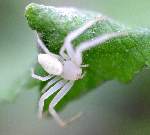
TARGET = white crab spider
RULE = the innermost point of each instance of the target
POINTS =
(65, 68)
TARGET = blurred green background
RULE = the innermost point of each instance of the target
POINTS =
(112, 109)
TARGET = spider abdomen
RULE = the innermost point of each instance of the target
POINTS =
(50, 64)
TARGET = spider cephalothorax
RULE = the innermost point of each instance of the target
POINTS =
(71, 71)
(65, 68)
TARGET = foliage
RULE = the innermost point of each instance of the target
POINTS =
(118, 59)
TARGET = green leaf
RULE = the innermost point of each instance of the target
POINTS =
(119, 59)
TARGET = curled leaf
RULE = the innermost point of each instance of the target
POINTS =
(119, 59)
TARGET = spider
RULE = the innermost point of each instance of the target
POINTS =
(64, 69)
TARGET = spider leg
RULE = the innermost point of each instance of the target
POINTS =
(51, 82)
(56, 99)
(94, 42)
(44, 48)
(85, 65)
(84, 73)
(63, 54)
(47, 94)
(74, 34)
(42, 45)
(41, 78)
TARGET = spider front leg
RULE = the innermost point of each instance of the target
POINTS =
(42, 46)
(63, 54)
(67, 46)
(94, 42)
(56, 99)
